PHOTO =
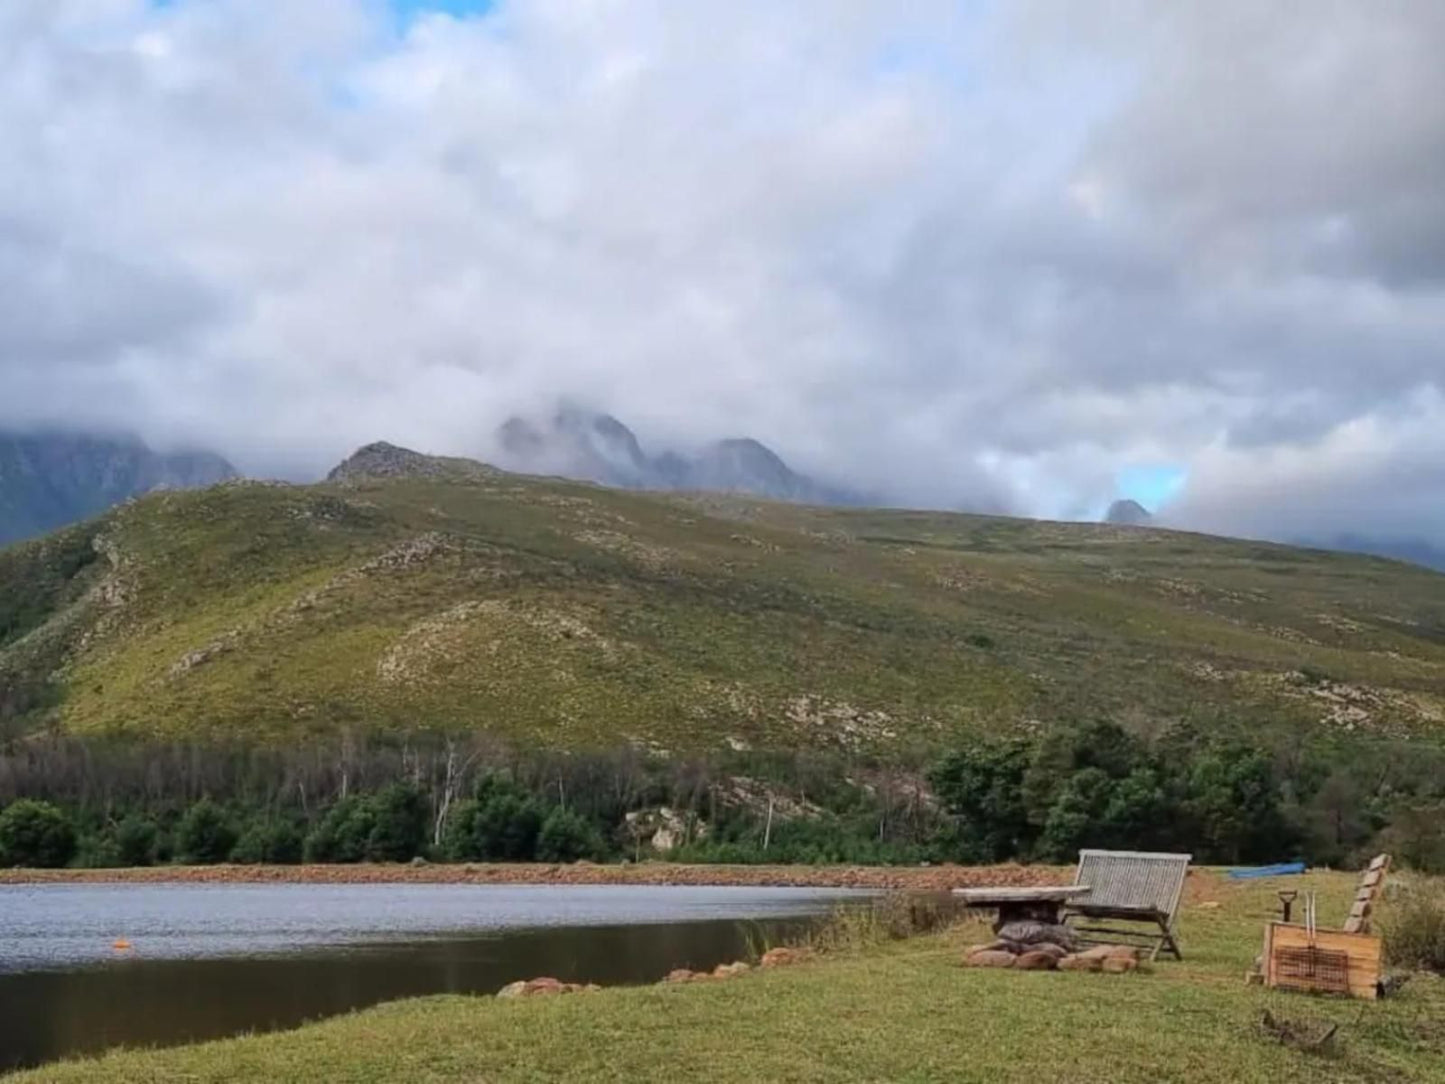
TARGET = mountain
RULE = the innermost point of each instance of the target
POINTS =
(1129, 514)
(594, 447)
(417, 592)
(579, 444)
(50, 479)
(383, 460)
(1417, 551)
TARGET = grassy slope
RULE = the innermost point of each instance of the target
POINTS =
(571, 616)
(904, 1014)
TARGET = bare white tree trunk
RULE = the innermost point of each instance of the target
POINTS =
(454, 779)
(444, 806)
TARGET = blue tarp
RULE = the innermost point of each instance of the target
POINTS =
(1280, 870)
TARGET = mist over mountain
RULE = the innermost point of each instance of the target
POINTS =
(48, 480)
(1416, 551)
(597, 447)
(1205, 236)
(1128, 513)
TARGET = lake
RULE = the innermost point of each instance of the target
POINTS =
(207, 961)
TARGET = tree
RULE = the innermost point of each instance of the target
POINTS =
(268, 841)
(1233, 804)
(399, 823)
(1076, 818)
(566, 836)
(342, 835)
(982, 788)
(1067, 750)
(1417, 837)
(36, 834)
(501, 828)
(205, 836)
(135, 841)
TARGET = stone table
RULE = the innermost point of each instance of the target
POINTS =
(1021, 904)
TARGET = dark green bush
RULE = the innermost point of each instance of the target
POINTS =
(500, 825)
(268, 842)
(205, 836)
(399, 822)
(97, 850)
(566, 836)
(36, 834)
(343, 833)
(136, 841)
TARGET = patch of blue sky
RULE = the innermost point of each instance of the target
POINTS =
(1152, 485)
(408, 10)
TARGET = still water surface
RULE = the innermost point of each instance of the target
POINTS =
(213, 960)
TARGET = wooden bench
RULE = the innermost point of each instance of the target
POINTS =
(1130, 886)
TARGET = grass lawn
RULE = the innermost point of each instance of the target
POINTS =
(903, 1012)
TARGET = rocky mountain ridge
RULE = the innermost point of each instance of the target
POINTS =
(596, 447)
(48, 480)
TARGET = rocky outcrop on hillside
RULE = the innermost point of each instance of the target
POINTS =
(383, 460)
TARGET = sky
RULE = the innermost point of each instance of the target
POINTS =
(1024, 257)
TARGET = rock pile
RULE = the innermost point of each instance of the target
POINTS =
(544, 986)
(722, 971)
(1038, 946)
(784, 957)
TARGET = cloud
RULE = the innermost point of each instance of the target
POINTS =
(964, 255)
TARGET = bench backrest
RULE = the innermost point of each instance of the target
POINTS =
(1141, 881)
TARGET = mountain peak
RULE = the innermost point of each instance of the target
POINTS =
(1128, 513)
(381, 459)
(745, 465)
(597, 447)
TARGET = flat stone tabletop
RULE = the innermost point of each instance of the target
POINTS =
(989, 897)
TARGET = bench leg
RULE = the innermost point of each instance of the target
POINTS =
(1166, 941)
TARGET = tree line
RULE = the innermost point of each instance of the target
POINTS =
(1036, 797)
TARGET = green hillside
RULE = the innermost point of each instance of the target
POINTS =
(564, 615)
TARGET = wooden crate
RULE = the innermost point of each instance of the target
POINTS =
(1336, 962)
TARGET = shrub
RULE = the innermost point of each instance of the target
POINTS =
(270, 842)
(205, 836)
(1413, 925)
(341, 835)
(398, 829)
(1416, 836)
(97, 850)
(135, 841)
(500, 828)
(36, 834)
(566, 836)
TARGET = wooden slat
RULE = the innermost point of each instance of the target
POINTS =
(1133, 880)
